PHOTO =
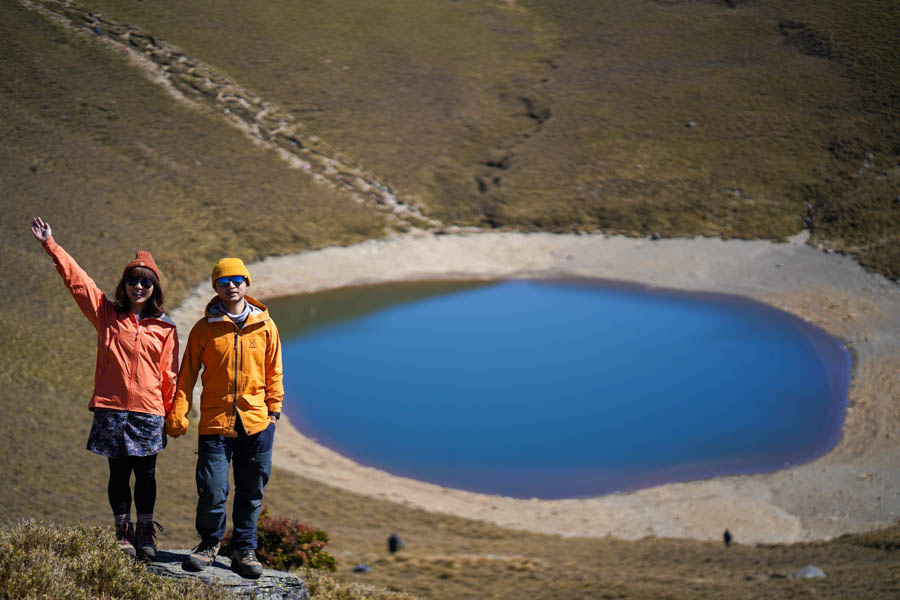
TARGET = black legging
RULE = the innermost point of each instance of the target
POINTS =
(119, 488)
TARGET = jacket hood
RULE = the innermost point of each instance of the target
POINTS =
(164, 318)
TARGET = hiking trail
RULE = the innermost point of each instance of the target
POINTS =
(263, 122)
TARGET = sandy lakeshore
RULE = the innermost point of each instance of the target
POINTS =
(855, 487)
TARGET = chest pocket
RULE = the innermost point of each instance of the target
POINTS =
(153, 340)
(117, 346)
(218, 355)
(253, 347)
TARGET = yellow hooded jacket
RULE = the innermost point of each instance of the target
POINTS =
(241, 373)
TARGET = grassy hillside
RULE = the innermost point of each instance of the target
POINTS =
(682, 117)
(115, 165)
(549, 108)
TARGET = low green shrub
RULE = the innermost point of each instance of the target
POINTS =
(284, 544)
(76, 562)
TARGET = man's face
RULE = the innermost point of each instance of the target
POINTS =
(231, 289)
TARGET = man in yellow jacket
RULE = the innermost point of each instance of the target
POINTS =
(238, 346)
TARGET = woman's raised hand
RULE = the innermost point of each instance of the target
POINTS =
(40, 229)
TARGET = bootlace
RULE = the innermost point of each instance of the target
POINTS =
(248, 555)
(147, 530)
(209, 550)
(124, 531)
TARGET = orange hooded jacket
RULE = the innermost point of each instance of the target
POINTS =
(136, 360)
(241, 373)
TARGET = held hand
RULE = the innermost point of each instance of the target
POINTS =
(40, 229)
(170, 427)
(272, 420)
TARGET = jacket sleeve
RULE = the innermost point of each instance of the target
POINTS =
(274, 383)
(177, 420)
(169, 368)
(86, 293)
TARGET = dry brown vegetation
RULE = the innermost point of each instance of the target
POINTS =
(529, 115)
(679, 117)
(75, 562)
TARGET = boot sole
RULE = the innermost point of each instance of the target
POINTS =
(250, 575)
(189, 565)
(142, 554)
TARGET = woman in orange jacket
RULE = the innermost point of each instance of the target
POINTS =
(134, 382)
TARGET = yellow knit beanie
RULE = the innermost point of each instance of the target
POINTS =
(226, 267)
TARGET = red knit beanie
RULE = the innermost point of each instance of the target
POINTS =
(143, 259)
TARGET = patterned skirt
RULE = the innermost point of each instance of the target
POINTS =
(119, 433)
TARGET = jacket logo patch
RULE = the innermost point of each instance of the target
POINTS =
(252, 344)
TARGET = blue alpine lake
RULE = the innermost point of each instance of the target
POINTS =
(559, 388)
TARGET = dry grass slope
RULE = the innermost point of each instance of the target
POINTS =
(529, 114)
(679, 117)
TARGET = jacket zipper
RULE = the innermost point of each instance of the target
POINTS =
(134, 355)
(231, 420)
(231, 426)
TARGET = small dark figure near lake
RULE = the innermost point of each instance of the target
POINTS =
(395, 543)
(727, 538)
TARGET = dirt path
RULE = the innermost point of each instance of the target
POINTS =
(853, 488)
(190, 81)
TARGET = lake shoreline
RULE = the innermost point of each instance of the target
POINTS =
(576, 437)
(850, 489)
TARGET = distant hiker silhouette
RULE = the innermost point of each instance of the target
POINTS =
(395, 543)
(727, 538)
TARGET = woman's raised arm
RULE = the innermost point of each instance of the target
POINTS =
(87, 295)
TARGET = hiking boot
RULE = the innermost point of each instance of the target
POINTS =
(145, 539)
(201, 557)
(125, 537)
(245, 563)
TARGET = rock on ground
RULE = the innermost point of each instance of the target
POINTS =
(809, 572)
(272, 585)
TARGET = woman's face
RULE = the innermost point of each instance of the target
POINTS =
(138, 288)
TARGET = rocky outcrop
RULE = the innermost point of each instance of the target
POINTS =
(273, 585)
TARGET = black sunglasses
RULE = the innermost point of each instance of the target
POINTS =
(235, 279)
(145, 282)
